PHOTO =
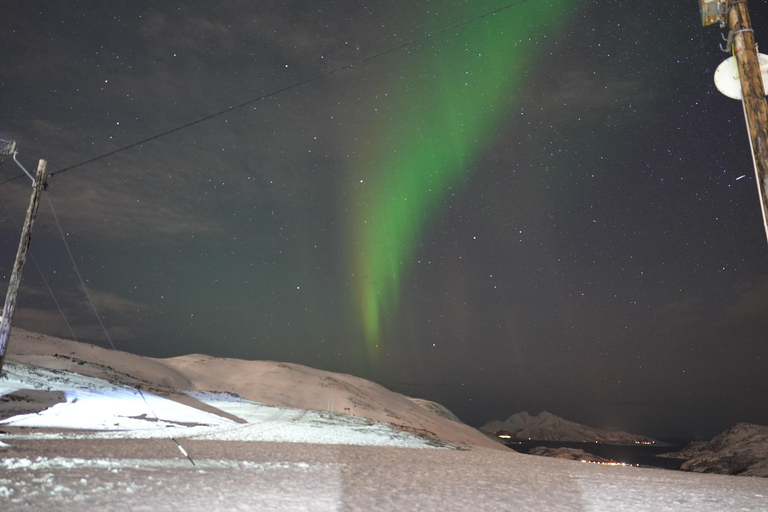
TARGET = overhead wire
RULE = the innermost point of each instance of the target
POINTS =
(280, 91)
(213, 116)
(93, 307)
(101, 323)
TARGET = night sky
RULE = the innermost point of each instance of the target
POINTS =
(546, 208)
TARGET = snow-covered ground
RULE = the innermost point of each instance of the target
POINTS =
(90, 441)
(92, 407)
(146, 474)
(266, 382)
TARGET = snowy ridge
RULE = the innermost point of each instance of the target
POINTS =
(548, 427)
(93, 408)
(288, 386)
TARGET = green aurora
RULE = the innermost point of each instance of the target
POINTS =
(445, 105)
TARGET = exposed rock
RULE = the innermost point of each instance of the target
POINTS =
(740, 450)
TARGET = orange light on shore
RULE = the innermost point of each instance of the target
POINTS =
(611, 463)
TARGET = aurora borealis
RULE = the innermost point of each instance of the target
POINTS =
(446, 104)
(549, 207)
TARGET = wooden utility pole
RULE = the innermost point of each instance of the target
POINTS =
(753, 93)
(21, 258)
(735, 14)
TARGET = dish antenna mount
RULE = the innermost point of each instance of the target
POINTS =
(8, 146)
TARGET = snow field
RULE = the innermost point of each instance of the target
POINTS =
(114, 411)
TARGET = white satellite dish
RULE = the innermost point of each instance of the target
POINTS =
(727, 76)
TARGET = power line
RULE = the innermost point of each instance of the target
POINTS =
(101, 323)
(12, 179)
(281, 90)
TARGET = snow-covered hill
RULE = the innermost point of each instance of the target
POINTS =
(548, 427)
(180, 379)
(55, 403)
(81, 437)
(740, 450)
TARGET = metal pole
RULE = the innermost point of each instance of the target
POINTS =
(21, 258)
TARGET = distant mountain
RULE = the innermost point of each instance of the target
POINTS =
(548, 427)
(567, 454)
(740, 450)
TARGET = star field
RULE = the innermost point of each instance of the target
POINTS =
(580, 233)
